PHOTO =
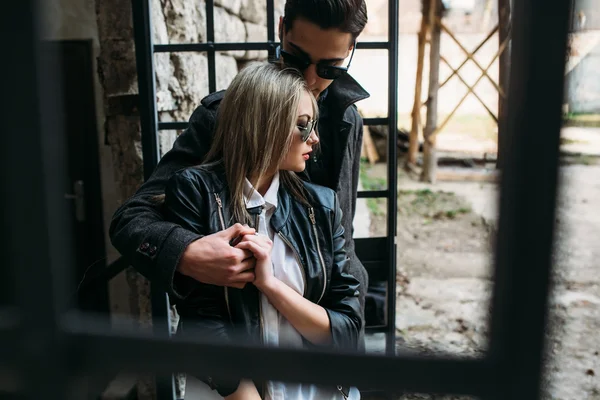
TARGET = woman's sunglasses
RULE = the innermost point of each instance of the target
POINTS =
(306, 130)
(324, 71)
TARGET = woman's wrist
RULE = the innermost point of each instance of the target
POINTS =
(267, 285)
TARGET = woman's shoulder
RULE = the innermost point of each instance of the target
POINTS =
(321, 195)
(210, 175)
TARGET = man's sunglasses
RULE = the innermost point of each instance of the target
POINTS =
(324, 71)
(306, 130)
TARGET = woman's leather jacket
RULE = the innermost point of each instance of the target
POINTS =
(197, 199)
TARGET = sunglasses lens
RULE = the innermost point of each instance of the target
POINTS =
(307, 130)
(330, 72)
(305, 135)
(293, 61)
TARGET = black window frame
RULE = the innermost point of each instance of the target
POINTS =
(44, 344)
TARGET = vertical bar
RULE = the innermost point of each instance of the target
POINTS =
(144, 54)
(271, 27)
(528, 197)
(504, 17)
(144, 57)
(390, 346)
(37, 248)
(210, 39)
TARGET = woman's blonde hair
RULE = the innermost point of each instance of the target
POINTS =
(253, 133)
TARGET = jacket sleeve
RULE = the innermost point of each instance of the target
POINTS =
(138, 228)
(204, 314)
(342, 299)
(347, 192)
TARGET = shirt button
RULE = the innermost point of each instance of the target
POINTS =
(144, 246)
(152, 250)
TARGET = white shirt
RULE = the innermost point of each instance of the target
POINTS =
(277, 331)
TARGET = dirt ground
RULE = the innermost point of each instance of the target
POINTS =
(444, 251)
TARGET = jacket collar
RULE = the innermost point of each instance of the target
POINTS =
(282, 212)
(342, 93)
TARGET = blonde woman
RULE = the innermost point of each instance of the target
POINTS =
(302, 293)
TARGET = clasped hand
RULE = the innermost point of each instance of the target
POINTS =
(260, 246)
(213, 260)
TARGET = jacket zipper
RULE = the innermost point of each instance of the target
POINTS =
(297, 259)
(222, 220)
(260, 314)
(311, 215)
(344, 395)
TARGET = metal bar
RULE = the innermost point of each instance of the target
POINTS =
(504, 34)
(142, 31)
(376, 121)
(178, 125)
(373, 194)
(392, 178)
(165, 382)
(34, 201)
(162, 126)
(528, 197)
(201, 47)
(271, 27)
(210, 38)
(100, 350)
(372, 45)
(142, 28)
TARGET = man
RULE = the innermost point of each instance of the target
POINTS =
(316, 36)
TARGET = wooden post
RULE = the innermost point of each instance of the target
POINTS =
(429, 171)
(413, 146)
(504, 23)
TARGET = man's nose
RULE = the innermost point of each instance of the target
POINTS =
(310, 75)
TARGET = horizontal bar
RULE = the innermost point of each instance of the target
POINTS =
(372, 194)
(186, 47)
(199, 47)
(376, 121)
(372, 45)
(172, 125)
(177, 125)
(100, 350)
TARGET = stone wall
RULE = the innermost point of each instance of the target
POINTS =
(181, 82)
(182, 78)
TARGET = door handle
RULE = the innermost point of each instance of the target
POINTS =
(78, 196)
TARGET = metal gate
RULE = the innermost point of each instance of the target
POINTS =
(45, 347)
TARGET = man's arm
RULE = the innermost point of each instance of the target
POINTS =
(164, 252)
(347, 193)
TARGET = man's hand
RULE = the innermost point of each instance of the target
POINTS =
(212, 260)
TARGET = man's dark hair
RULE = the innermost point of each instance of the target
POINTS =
(348, 16)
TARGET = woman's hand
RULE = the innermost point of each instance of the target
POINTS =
(260, 246)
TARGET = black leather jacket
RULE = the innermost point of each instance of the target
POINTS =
(197, 199)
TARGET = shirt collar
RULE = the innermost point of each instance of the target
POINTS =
(254, 199)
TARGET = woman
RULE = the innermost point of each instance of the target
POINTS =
(302, 293)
